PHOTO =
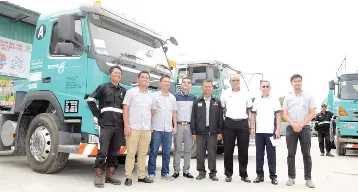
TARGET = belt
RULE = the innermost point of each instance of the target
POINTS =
(235, 119)
(184, 123)
(117, 110)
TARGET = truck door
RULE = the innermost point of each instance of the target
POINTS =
(66, 74)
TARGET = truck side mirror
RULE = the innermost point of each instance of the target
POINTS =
(331, 85)
(173, 41)
(66, 28)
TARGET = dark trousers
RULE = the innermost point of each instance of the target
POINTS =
(206, 143)
(304, 136)
(262, 140)
(110, 140)
(324, 138)
(236, 130)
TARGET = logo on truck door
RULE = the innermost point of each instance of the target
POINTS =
(60, 67)
(40, 32)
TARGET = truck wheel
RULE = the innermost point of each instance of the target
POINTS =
(42, 145)
(340, 146)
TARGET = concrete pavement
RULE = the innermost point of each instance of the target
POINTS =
(329, 174)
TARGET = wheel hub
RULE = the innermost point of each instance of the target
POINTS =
(40, 144)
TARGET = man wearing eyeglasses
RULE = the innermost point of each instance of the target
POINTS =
(265, 112)
(185, 102)
(236, 104)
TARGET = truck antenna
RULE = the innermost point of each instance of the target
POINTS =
(342, 68)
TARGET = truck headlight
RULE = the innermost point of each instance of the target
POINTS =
(348, 125)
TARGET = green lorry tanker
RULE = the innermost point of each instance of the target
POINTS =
(72, 53)
(342, 101)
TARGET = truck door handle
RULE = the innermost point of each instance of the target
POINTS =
(46, 80)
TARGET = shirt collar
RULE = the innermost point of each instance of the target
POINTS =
(113, 86)
(146, 91)
(161, 93)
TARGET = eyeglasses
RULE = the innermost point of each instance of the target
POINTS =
(237, 80)
(186, 82)
(265, 86)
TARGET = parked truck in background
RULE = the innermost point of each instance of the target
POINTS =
(72, 53)
(198, 71)
(342, 101)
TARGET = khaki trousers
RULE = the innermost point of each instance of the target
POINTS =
(138, 141)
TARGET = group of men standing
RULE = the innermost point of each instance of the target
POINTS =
(149, 121)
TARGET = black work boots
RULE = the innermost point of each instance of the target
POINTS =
(110, 176)
(98, 180)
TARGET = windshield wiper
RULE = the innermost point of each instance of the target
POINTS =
(130, 56)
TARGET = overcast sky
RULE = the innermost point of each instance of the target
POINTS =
(276, 37)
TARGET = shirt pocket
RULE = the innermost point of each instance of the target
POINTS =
(305, 103)
(108, 98)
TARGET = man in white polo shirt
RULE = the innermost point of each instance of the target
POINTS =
(236, 104)
(266, 115)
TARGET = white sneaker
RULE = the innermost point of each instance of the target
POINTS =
(151, 177)
(168, 177)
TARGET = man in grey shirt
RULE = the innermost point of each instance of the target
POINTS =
(298, 110)
(138, 107)
(163, 129)
(185, 102)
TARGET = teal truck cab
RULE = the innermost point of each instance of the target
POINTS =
(198, 71)
(343, 102)
(72, 53)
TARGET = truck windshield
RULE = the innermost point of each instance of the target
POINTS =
(226, 74)
(349, 89)
(116, 39)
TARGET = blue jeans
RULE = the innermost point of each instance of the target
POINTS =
(158, 138)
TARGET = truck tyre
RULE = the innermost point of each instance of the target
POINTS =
(42, 145)
(340, 146)
(2, 147)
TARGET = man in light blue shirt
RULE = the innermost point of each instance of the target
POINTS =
(164, 124)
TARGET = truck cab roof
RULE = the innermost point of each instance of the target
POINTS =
(97, 9)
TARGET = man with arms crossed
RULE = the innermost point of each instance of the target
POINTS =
(236, 104)
(298, 110)
(162, 125)
(264, 113)
(206, 127)
(138, 107)
(183, 135)
(110, 119)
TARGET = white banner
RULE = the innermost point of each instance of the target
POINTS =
(15, 57)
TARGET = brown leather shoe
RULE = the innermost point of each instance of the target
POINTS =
(98, 182)
(110, 176)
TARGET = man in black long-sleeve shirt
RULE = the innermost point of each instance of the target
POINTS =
(110, 120)
(322, 126)
(206, 127)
